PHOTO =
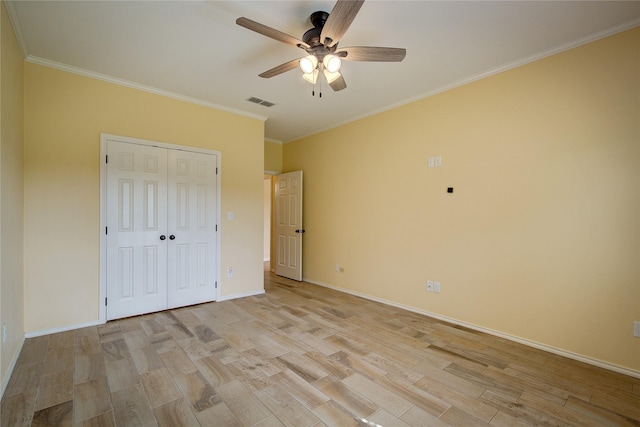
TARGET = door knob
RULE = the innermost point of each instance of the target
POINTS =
(172, 237)
(301, 231)
(163, 237)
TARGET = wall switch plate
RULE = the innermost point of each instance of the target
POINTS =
(230, 216)
(438, 161)
(337, 267)
(636, 329)
(4, 333)
(230, 272)
(431, 162)
(436, 287)
(430, 285)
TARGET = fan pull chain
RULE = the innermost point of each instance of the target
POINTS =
(313, 89)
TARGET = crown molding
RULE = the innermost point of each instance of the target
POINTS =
(17, 29)
(98, 76)
(488, 73)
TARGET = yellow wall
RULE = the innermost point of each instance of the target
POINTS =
(64, 116)
(540, 239)
(272, 157)
(11, 194)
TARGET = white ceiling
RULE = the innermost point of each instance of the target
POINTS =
(194, 50)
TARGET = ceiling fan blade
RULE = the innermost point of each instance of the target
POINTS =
(270, 32)
(372, 53)
(339, 20)
(338, 84)
(282, 68)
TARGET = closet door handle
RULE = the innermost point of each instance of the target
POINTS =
(172, 237)
(163, 237)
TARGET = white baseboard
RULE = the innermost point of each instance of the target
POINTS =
(524, 341)
(242, 295)
(61, 329)
(12, 365)
(97, 322)
(34, 334)
(530, 343)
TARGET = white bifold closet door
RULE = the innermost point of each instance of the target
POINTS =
(161, 228)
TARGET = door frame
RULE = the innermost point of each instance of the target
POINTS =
(104, 137)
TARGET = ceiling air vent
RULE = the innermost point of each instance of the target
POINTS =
(260, 101)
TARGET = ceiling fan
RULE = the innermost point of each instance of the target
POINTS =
(321, 45)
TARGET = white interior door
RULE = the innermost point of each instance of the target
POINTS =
(136, 223)
(289, 229)
(192, 228)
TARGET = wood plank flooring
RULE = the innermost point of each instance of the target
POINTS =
(302, 355)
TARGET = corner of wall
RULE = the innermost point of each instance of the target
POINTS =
(11, 198)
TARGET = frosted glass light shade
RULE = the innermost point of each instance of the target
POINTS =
(330, 76)
(311, 77)
(308, 64)
(332, 63)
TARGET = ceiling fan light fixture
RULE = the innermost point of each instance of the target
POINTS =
(308, 64)
(321, 44)
(331, 77)
(332, 63)
(311, 77)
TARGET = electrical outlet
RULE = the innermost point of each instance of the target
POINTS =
(636, 329)
(436, 287)
(430, 285)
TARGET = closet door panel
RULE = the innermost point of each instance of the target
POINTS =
(136, 194)
(192, 200)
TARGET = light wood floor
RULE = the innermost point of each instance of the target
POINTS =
(302, 355)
